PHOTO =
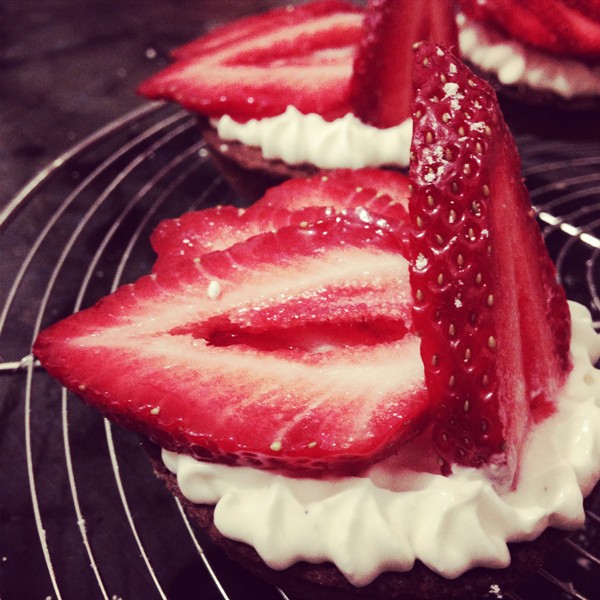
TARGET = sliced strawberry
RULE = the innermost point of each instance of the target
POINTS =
(194, 234)
(381, 86)
(494, 322)
(263, 25)
(181, 357)
(258, 66)
(380, 191)
(568, 28)
(294, 202)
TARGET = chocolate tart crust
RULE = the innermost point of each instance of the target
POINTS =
(245, 168)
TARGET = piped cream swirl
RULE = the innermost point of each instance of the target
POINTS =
(402, 510)
(296, 138)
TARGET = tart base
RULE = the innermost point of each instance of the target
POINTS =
(326, 582)
(244, 167)
(545, 113)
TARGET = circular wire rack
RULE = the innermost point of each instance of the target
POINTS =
(81, 513)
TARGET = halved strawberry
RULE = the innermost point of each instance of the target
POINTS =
(494, 322)
(296, 201)
(563, 27)
(380, 191)
(193, 234)
(381, 86)
(256, 67)
(325, 377)
(262, 25)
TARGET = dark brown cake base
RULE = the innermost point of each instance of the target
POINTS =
(245, 169)
(544, 112)
(326, 582)
(525, 110)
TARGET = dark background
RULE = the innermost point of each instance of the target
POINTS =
(68, 67)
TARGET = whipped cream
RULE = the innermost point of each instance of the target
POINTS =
(514, 63)
(296, 138)
(401, 509)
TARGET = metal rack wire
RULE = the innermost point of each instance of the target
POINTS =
(83, 514)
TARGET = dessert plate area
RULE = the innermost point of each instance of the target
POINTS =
(81, 513)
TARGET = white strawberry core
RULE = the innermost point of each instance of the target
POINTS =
(401, 509)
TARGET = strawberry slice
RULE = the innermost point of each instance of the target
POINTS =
(296, 201)
(187, 237)
(566, 28)
(381, 85)
(256, 67)
(181, 356)
(379, 191)
(494, 322)
(260, 25)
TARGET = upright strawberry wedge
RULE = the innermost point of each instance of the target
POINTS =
(381, 84)
(494, 322)
(290, 348)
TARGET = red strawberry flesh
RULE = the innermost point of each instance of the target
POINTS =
(307, 200)
(381, 85)
(494, 322)
(260, 25)
(280, 351)
(258, 66)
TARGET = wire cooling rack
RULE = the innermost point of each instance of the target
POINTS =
(81, 514)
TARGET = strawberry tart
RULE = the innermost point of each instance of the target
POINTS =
(327, 84)
(348, 375)
(321, 85)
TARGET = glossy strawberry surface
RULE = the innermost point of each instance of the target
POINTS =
(290, 349)
(381, 86)
(494, 322)
(256, 67)
(296, 201)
